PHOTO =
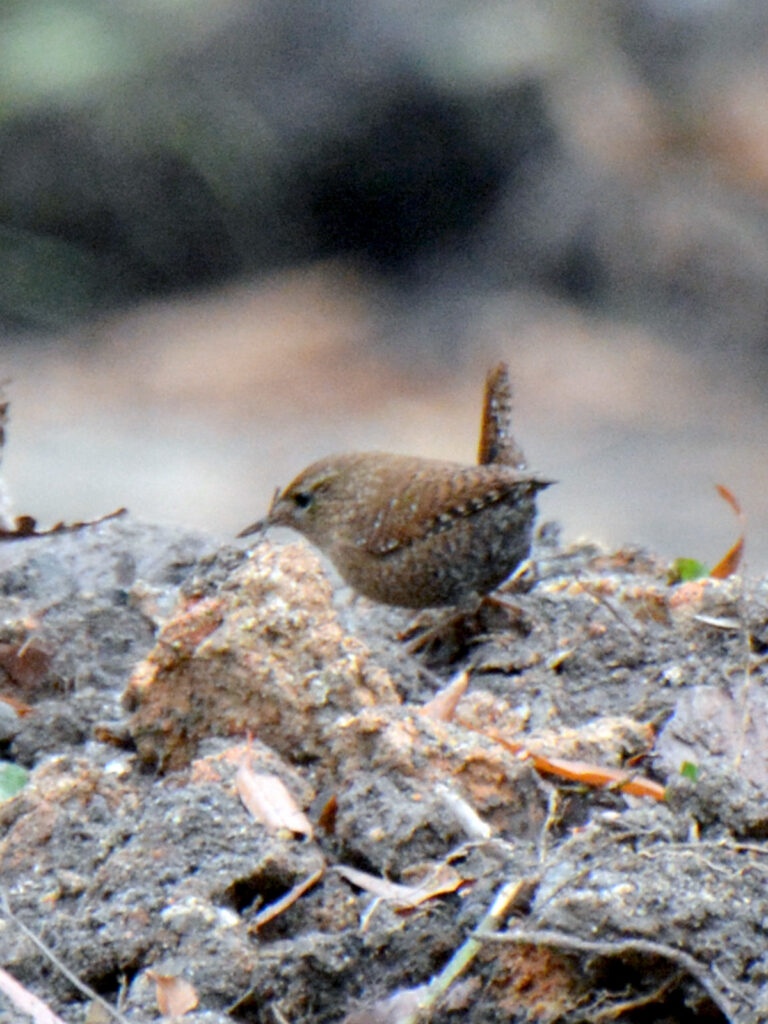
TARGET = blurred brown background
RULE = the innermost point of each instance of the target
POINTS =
(234, 240)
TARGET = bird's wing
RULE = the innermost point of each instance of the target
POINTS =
(434, 499)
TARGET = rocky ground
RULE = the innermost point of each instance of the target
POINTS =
(575, 830)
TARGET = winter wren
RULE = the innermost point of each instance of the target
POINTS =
(419, 533)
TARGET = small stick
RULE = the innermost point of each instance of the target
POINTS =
(466, 953)
(51, 956)
(561, 940)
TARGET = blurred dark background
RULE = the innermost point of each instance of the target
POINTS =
(234, 237)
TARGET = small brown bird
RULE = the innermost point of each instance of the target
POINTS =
(419, 533)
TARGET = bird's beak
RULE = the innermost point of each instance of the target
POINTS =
(257, 527)
(261, 524)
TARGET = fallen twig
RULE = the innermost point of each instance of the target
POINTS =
(26, 526)
(466, 953)
(273, 910)
(561, 940)
(58, 964)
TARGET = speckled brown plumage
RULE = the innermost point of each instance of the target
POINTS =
(416, 532)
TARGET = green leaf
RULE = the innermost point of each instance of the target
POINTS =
(684, 570)
(689, 770)
(12, 779)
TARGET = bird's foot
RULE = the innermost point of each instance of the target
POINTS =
(446, 637)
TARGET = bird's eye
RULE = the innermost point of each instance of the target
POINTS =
(303, 499)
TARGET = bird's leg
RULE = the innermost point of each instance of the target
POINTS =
(451, 630)
(472, 621)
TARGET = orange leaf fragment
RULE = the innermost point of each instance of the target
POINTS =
(597, 775)
(582, 771)
(443, 879)
(327, 816)
(175, 996)
(443, 705)
(731, 560)
(269, 801)
(727, 495)
(18, 706)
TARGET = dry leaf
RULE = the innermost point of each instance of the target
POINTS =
(443, 705)
(727, 495)
(270, 803)
(597, 775)
(731, 560)
(372, 883)
(174, 995)
(581, 771)
(25, 1001)
(97, 1014)
(326, 819)
(443, 879)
